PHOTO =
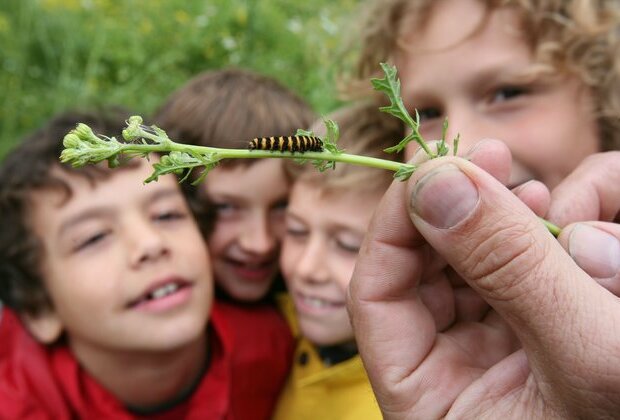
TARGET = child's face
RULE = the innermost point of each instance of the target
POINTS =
(124, 263)
(323, 237)
(548, 125)
(245, 242)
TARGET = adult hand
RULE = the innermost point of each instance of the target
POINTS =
(548, 347)
(589, 196)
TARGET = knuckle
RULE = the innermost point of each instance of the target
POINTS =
(500, 264)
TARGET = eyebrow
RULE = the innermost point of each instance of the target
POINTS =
(104, 211)
(497, 72)
(333, 226)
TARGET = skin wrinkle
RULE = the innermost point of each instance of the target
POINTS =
(490, 262)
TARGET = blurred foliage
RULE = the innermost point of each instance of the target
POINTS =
(60, 54)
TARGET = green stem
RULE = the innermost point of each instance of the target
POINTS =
(170, 146)
(82, 150)
(555, 230)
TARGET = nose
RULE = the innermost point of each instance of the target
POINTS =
(145, 242)
(257, 235)
(312, 264)
(464, 122)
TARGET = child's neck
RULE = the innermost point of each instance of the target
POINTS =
(144, 380)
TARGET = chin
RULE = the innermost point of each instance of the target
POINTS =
(322, 337)
(180, 334)
(242, 291)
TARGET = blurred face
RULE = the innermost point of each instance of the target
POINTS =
(475, 82)
(245, 243)
(124, 263)
(322, 241)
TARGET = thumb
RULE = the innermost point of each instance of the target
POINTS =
(501, 249)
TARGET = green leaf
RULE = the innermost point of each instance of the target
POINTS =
(404, 172)
(307, 133)
(390, 85)
(331, 139)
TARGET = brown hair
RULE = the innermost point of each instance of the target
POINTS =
(578, 37)
(228, 108)
(29, 168)
(364, 130)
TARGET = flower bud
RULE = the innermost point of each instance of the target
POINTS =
(71, 141)
(84, 132)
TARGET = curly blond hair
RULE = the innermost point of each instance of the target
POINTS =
(576, 37)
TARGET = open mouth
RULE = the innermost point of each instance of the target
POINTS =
(314, 304)
(163, 295)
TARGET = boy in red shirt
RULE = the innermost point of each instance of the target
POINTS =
(113, 282)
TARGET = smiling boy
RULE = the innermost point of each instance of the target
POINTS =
(112, 279)
(227, 108)
(326, 220)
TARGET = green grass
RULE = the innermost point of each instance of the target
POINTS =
(60, 54)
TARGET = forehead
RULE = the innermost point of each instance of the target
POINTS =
(450, 23)
(452, 52)
(348, 208)
(264, 178)
(106, 186)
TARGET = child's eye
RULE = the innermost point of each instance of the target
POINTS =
(170, 216)
(348, 246)
(91, 240)
(428, 113)
(280, 205)
(507, 92)
(296, 232)
(223, 209)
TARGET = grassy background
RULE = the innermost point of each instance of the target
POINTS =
(59, 54)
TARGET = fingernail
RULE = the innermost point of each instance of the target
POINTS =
(444, 197)
(595, 251)
(473, 149)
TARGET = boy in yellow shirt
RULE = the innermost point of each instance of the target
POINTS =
(327, 217)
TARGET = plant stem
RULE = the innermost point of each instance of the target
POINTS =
(555, 230)
(171, 146)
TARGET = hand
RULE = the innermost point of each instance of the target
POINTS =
(547, 346)
(590, 193)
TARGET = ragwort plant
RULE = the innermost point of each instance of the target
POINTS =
(83, 146)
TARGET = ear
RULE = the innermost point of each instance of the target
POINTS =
(46, 327)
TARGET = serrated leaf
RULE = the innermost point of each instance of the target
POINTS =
(390, 85)
(404, 172)
(307, 133)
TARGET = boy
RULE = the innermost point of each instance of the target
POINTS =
(112, 280)
(228, 108)
(326, 220)
(538, 75)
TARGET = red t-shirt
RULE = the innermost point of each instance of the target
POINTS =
(250, 356)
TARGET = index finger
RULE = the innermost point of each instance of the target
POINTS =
(386, 310)
(591, 192)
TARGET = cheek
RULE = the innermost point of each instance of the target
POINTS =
(222, 237)
(289, 257)
(194, 249)
(344, 271)
(75, 295)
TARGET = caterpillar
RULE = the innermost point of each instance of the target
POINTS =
(287, 144)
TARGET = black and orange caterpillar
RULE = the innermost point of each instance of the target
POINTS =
(287, 144)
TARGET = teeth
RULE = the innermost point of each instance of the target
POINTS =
(316, 302)
(164, 291)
